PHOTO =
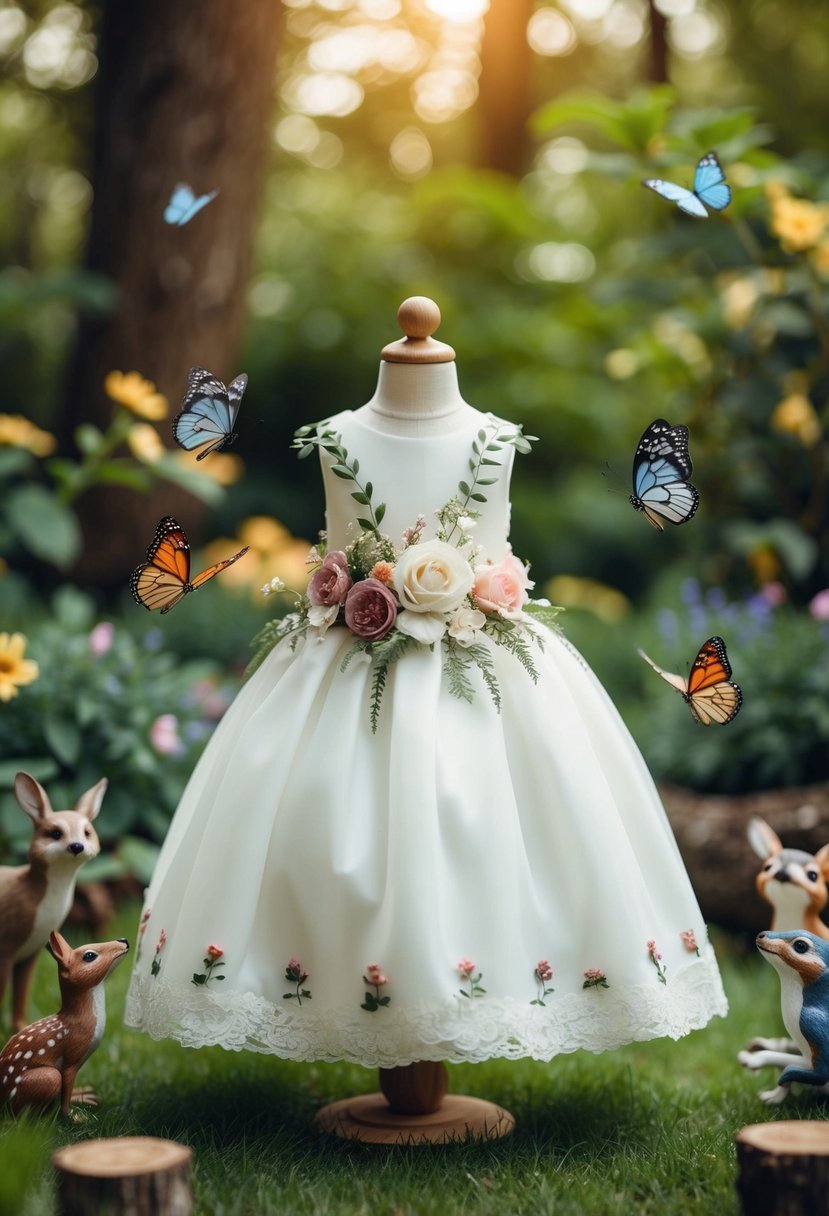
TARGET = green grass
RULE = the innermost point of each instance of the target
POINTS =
(647, 1129)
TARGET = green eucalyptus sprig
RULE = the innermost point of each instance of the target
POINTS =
(309, 437)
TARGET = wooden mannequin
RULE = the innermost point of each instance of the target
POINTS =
(417, 394)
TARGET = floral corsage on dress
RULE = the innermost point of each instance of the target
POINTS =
(393, 596)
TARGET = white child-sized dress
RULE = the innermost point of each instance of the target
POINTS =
(329, 893)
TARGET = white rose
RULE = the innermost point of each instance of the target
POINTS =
(432, 577)
(464, 624)
(425, 627)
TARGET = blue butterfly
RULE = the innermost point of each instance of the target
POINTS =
(208, 412)
(709, 189)
(183, 204)
(661, 468)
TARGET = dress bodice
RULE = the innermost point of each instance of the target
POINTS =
(416, 475)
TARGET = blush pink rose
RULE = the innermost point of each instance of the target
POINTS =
(370, 609)
(332, 582)
(501, 587)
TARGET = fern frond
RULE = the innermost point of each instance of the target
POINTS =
(456, 665)
(482, 658)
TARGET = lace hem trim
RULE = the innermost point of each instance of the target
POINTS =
(460, 1032)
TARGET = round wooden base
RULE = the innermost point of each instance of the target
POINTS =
(459, 1118)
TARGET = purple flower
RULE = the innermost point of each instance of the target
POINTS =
(370, 609)
(667, 623)
(689, 591)
(330, 585)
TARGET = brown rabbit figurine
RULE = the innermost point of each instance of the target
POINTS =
(36, 898)
(39, 1064)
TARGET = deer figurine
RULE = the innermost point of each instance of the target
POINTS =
(794, 883)
(36, 898)
(39, 1064)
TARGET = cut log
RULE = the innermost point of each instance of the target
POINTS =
(124, 1176)
(784, 1168)
(710, 830)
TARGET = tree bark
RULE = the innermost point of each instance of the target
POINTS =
(710, 830)
(184, 94)
(125, 1176)
(505, 100)
(784, 1168)
(658, 73)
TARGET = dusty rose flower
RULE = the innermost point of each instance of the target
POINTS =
(100, 639)
(295, 972)
(689, 938)
(543, 970)
(501, 587)
(214, 952)
(432, 577)
(162, 942)
(375, 975)
(652, 950)
(466, 967)
(594, 977)
(383, 572)
(370, 609)
(331, 583)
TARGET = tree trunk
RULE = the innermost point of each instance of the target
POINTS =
(124, 1176)
(505, 101)
(784, 1168)
(658, 73)
(710, 830)
(184, 95)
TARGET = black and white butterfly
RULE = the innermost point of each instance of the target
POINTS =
(208, 412)
(661, 468)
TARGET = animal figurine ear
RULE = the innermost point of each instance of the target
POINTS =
(31, 796)
(59, 948)
(90, 803)
(764, 841)
(822, 858)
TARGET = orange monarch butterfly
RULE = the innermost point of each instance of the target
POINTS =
(164, 578)
(710, 693)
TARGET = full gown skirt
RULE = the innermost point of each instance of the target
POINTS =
(306, 845)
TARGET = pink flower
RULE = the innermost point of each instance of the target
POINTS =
(544, 971)
(145, 919)
(501, 588)
(214, 952)
(774, 594)
(100, 639)
(594, 977)
(819, 605)
(466, 967)
(370, 609)
(652, 950)
(688, 937)
(164, 735)
(375, 975)
(331, 583)
(162, 942)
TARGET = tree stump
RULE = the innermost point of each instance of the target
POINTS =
(124, 1176)
(784, 1168)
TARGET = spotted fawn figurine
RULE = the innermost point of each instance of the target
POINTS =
(802, 962)
(36, 898)
(39, 1064)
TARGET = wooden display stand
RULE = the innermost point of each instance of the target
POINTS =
(414, 1108)
(124, 1176)
(784, 1168)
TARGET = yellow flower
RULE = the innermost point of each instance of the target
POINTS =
(18, 432)
(796, 415)
(137, 394)
(764, 564)
(603, 601)
(223, 467)
(797, 223)
(14, 669)
(263, 533)
(820, 259)
(145, 442)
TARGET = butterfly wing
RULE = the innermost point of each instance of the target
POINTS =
(709, 183)
(686, 200)
(212, 571)
(161, 581)
(661, 465)
(183, 204)
(208, 412)
(712, 694)
(676, 681)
